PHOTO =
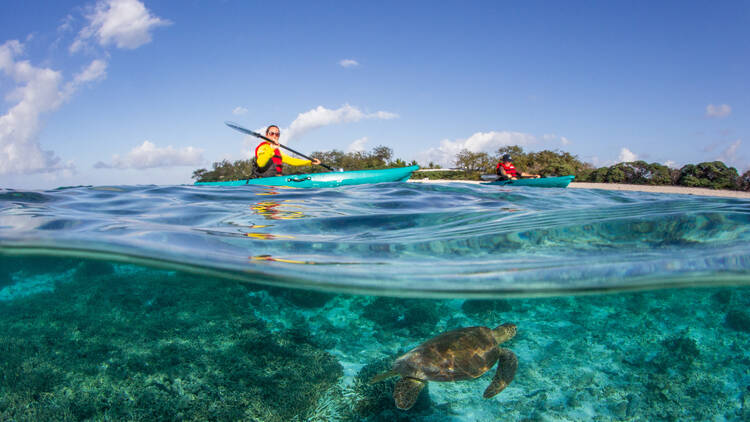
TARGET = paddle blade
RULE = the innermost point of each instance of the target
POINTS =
(239, 128)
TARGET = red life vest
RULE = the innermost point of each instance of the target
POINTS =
(275, 159)
(509, 168)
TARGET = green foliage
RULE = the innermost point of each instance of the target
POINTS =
(447, 175)
(380, 157)
(714, 175)
(224, 170)
(635, 173)
(475, 161)
(545, 163)
(744, 181)
(554, 163)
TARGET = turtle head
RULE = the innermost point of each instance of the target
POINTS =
(505, 332)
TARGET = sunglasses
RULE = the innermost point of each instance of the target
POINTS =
(274, 133)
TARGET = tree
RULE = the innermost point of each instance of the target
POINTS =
(475, 161)
(714, 175)
(546, 162)
(224, 170)
(745, 181)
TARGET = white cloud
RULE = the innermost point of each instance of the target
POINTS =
(66, 25)
(626, 156)
(730, 153)
(321, 116)
(97, 70)
(125, 23)
(37, 91)
(147, 155)
(357, 145)
(549, 138)
(239, 110)
(488, 142)
(348, 63)
(719, 111)
(671, 164)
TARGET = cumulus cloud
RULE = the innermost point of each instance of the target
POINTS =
(626, 156)
(239, 111)
(730, 154)
(97, 70)
(38, 90)
(147, 155)
(357, 145)
(321, 116)
(348, 63)
(125, 23)
(488, 142)
(718, 111)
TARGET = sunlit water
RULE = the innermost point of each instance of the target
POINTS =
(250, 303)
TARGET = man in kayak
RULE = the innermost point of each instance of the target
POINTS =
(268, 157)
(507, 171)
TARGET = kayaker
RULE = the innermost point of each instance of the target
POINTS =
(268, 157)
(507, 171)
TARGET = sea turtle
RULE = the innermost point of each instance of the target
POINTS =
(455, 355)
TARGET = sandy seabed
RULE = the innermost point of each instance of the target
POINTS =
(640, 188)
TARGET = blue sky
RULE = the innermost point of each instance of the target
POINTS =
(136, 91)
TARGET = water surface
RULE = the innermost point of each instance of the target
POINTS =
(198, 303)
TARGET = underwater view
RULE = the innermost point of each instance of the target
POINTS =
(251, 303)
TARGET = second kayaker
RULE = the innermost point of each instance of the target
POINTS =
(507, 171)
(268, 158)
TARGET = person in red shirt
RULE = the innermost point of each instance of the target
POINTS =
(507, 171)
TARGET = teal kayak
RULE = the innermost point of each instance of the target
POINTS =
(542, 182)
(326, 180)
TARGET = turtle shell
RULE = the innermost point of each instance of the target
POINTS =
(456, 355)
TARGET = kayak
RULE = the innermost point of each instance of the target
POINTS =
(542, 182)
(326, 180)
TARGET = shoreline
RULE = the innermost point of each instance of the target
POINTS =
(683, 190)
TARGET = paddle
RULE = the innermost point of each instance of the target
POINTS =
(237, 127)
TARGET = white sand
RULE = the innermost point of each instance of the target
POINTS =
(640, 188)
(663, 189)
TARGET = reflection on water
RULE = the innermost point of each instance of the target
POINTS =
(284, 260)
(286, 209)
(406, 238)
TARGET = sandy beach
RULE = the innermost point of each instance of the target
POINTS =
(641, 188)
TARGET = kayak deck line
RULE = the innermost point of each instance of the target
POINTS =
(541, 182)
(325, 180)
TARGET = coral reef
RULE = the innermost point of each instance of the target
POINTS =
(103, 341)
(154, 345)
(417, 316)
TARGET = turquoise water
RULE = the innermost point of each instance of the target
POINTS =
(249, 303)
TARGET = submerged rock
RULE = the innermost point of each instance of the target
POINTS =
(738, 320)
(418, 316)
(486, 309)
(303, 298)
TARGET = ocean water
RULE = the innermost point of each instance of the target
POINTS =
(250, 303)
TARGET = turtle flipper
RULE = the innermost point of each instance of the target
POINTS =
(406, 392)
(506, 370)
